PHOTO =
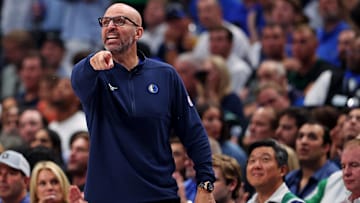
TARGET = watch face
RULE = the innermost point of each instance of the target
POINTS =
(210, 187)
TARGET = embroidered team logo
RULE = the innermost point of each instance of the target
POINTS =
(189, 101)
(112, 88)
(153, 88)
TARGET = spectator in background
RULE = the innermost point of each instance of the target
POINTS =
(351, 126)
(342, 186)
(288, 14)
(230, 14)
(31, 71)
(337, 141)
(48, 183)
(262, 126)
(275, 72)
(334, 22)
(78, 160)
(184, 173)
(9, 123)
(269, 71)
(309, 66)
(189, 69)
(326, 115)
(346, 37)
(177, 37)
(50, 139)
(217, 89)
(350, 161)
(339, 88)
(154, 23)
(70, 118)
(30, 121)
(220, 43)
(14, 177)
(270, 47)
(46, 86)
(312, 148)
(289, 122)
(80, 30)
(265, 171)
(15, 45)
(212, 118)
(180, 156)
(210, 16)
(228, 178)
(249, 16)
(53, 50)
(273, 95)
(181, 160)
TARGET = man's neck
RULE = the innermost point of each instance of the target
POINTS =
(227, 199)
(216, 24)
(79, 179)
(31, 94)
(307, 65)
(65, 114)
(330, 25)
(265, 192)
(309, 168)
(128, 59)
(16, 199)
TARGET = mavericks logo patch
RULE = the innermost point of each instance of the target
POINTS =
(153, 88)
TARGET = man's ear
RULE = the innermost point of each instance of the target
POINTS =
(139, 32)
(232, 185)
(284, 170)
(27, 182)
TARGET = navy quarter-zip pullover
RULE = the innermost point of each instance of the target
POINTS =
(130, 115)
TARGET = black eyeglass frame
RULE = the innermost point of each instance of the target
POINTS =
(100, 19)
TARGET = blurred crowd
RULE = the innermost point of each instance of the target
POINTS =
(288, 70)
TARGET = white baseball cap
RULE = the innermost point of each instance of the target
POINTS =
(15, 160)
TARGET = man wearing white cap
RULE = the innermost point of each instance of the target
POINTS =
(14, 177)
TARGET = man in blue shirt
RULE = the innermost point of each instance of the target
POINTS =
(327, 35)
(312, 147)
(131, 104)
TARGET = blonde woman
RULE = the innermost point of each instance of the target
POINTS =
(217, 89)
(48, 184)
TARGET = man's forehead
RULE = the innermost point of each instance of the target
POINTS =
(263, 150)
(355, 112)
(311, 127)
(4, 166)
(120, 9)
(115, 12)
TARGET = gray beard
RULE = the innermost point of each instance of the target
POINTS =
(122, 48)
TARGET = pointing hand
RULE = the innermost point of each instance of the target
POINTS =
(102, 60)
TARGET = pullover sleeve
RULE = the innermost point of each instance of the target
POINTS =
(84, 79)
(190, 130)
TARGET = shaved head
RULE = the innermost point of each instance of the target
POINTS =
(120, 9)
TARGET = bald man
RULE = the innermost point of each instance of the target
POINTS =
(131, 104)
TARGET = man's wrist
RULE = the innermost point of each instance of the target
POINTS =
(206, 186)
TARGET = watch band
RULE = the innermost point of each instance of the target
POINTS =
(207, 185)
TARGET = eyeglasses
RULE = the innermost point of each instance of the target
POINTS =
(117, 20)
